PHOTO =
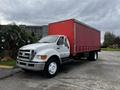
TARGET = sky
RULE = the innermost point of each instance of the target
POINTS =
(103, 15)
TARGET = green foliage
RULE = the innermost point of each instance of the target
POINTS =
(110, 49)
(108, 39)
(117, 42)
(12, 38)
(8, 63)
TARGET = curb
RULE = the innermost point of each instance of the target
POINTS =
(9, 72)
(6, 67)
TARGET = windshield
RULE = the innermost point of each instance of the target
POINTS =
(48, 39)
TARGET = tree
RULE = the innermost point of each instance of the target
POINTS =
(108, 39)
(13, 37)
(33, 34)
(117, 41)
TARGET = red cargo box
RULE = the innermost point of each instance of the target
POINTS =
(82, 37)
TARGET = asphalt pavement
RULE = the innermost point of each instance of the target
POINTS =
(103, 74)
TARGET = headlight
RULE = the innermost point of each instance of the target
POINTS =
(42, 57)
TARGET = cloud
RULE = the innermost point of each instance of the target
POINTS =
(101, 14)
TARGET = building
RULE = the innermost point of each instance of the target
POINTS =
(38, 31)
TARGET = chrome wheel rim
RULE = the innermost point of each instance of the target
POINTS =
(95, 56)
(52, 68)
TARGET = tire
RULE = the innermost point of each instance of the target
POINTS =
(93, 56)
(51, 68)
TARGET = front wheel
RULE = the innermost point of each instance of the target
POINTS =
(51, 68)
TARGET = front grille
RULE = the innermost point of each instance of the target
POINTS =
(22, 63)
(24, 54)
(23, 57)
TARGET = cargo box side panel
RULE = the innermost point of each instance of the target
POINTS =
(87, 39)
(63, 28)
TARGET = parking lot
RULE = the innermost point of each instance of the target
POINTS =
(103, 74)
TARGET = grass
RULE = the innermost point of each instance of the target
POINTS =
(8, 63)
(110, 49)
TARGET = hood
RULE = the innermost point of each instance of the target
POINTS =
(36, 46)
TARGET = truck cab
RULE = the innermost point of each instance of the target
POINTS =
(44, 55)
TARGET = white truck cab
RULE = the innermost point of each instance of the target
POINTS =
(44, 55)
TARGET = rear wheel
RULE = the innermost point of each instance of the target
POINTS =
(51, 68)
(93, 56)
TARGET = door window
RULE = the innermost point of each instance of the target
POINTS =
(60, 41)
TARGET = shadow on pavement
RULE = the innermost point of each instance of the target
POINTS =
(64, 69)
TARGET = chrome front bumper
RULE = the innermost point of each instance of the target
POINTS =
(35, 66)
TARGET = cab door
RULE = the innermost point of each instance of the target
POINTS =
(63, 47)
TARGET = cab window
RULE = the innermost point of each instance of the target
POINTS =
(60, 41)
